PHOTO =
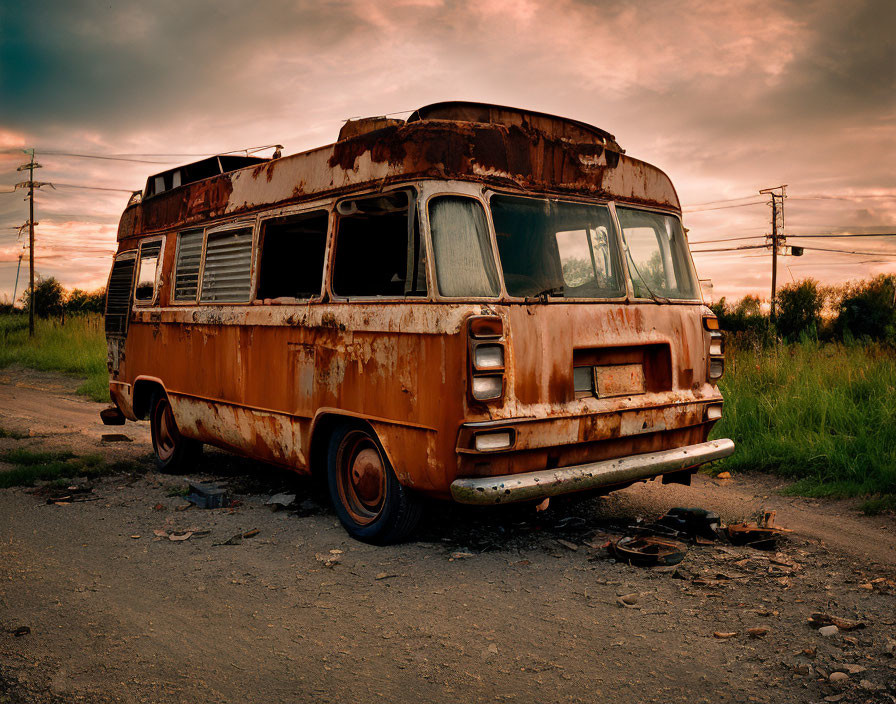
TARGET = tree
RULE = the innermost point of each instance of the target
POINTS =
(79, 301)
(868, 309)
(48, 297)
(799, 309)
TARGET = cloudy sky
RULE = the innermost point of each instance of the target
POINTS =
(726, 97)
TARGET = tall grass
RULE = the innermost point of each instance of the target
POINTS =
(823, 414)
(76, 347)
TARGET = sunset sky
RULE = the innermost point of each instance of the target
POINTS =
(726, 97)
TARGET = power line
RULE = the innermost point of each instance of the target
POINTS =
(724, 207)
(848, 251)
(730, 249)
(850, 234)
(713, 202)
(855, 196)
(105, 158)
(95, 188)
(728, 239)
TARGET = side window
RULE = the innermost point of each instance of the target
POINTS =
(148, 272)
(378, 248)
(118, 294)
(228, 261)
(186, 270)
(292, 256)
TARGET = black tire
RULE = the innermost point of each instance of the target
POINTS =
(174, 453)
(370, 502)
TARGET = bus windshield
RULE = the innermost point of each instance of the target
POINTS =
(658, 260)
(551, 248)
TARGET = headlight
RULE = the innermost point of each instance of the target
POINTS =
(488, 357)
(500, 440)
(487, 387)
(716, 368)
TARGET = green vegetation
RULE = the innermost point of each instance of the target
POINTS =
(822, 414)
(29, 467)
(14, 434)
(77, 346)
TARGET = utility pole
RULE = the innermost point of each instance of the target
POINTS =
(778, 238)
(31, 166)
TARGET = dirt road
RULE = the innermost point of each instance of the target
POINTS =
(508, 605)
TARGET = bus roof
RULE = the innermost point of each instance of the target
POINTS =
(498, 146)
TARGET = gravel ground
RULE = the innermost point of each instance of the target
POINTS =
(497, 605)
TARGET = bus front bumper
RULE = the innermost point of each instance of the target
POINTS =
(563, 480)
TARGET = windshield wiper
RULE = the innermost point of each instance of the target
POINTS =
(543, 295)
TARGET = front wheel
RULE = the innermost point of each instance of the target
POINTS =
(175, 454)
(365, 492)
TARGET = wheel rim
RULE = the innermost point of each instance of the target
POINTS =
(361, 477)
(166, 435)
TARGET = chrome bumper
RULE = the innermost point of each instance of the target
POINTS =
(551, 482)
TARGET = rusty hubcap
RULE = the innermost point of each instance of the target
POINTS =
(361, 477)
(166, 435)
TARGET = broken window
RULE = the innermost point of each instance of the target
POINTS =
(462, 248)
(147, 272)
(292, 256)
(378, 248)
(186, 272)
(228, 260)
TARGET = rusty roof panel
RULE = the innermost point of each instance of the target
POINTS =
(498, 155)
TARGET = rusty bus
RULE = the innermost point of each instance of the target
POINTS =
(477, 303)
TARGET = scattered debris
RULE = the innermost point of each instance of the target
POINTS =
(158, 507)
(838, 676)
(21, 631)
(238, 538)
(646, 551)
(329, 560)
(629, 601)
(278, 501)
(757, 631)
(820, 620)
(385, 575)
(135, 537)
(567, 544)
(828, 631)
(460, 555)
(543, 506)
(723, 635)
(180, 536)
(693, 523)
(207, 495)
(71, 494)
(763, 535)
(723, 475)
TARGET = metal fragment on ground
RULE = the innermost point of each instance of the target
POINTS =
(646, 551)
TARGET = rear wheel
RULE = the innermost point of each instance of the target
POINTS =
(365, 492)
(175, 454)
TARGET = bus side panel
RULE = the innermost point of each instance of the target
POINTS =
(255, 388)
